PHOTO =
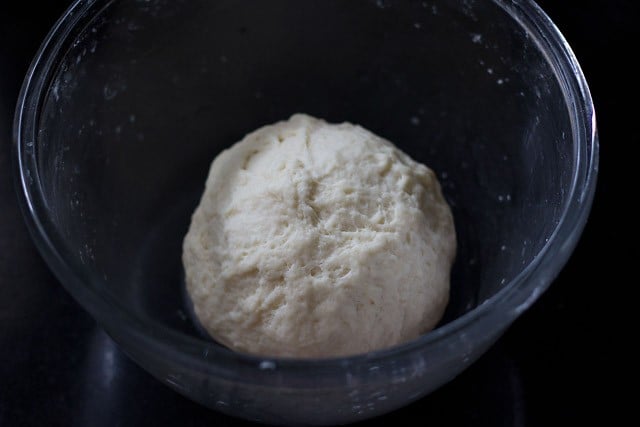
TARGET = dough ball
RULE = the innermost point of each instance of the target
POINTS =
(317, 240)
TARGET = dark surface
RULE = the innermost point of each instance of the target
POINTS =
(557, 364)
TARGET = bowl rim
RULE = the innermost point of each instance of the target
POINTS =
(514, 298)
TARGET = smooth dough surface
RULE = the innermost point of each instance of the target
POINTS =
(317, 240)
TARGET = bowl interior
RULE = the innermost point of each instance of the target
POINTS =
(145, 94)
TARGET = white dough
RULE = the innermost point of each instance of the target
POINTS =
(317, 240)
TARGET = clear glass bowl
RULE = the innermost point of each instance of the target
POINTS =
(127, 103)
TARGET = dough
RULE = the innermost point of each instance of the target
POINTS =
(317, 240)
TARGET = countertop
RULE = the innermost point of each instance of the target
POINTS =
(559, 364)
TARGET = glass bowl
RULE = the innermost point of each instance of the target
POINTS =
(127, 103)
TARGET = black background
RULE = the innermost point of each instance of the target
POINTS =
(564, 362)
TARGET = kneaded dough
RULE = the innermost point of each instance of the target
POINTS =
(317, 240)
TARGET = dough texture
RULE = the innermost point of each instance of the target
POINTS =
(318, 240)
